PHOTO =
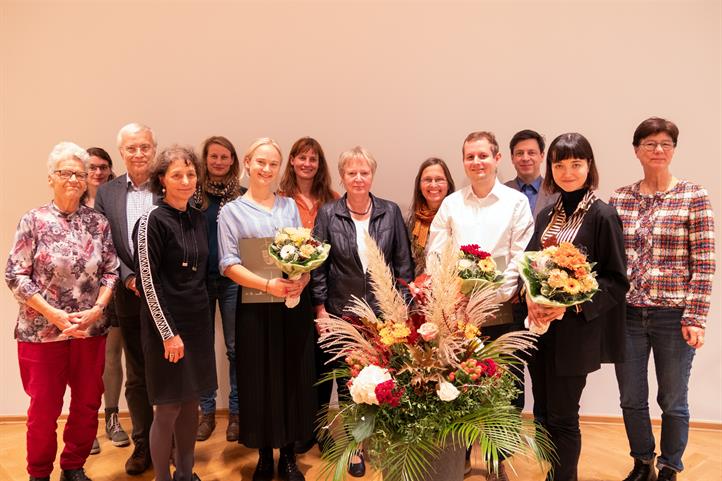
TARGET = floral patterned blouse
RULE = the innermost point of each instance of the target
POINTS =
(65, 258)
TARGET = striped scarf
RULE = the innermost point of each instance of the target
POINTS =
(563, 229)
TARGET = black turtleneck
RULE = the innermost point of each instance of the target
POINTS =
(570, 200)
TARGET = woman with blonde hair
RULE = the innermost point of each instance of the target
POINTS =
(274, 344)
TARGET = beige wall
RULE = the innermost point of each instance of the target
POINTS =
(405, 79)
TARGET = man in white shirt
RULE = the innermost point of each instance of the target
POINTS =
(495, 217)
(487, 213)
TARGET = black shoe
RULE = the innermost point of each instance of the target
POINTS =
(74, 475)
(642, 471)
(667, 474)
(287, 468)
(264, 468)
(357, 470)
(139, 461)
(300, 447)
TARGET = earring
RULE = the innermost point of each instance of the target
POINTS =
(163, 190)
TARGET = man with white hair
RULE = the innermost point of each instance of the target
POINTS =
(123, 200)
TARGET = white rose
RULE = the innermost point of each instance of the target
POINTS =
(428, 330)
(288, 252)
(363, 388)
(447, 391)
(465, 264)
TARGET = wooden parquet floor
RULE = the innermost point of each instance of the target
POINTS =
(604, 457)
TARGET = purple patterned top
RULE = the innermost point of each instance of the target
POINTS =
(65, 258)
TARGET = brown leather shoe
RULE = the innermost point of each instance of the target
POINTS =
(233, 428)
(139, 461)
(206, 425)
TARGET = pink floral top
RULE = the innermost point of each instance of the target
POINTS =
(65, 258)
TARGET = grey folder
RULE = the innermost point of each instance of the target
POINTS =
(256, 259)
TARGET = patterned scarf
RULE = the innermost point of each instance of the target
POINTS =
(422, 222)
(226, 191)
(563, 229)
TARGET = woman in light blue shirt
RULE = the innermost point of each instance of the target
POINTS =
(274, 344)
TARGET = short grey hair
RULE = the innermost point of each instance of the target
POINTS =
(357, 153)
(135, 128)
(67, 150)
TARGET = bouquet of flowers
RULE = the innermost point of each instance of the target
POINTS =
(420, 379)
(477, 269)
(295, 252)
(558, 276)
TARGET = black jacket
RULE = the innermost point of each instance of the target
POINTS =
(342, 274)
(582, 341)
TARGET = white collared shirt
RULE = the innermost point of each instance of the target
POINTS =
(500, 223)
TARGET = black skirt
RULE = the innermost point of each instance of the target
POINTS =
(276, 374)
(186, 380)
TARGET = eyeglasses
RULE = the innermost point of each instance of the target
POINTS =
(132, 149)
(652, 146)
(429, 181)
(100, 168)
(68, 174)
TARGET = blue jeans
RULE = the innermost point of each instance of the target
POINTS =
(657, 330)
(225, 292)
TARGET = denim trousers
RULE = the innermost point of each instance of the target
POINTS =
(225, 292)
(657, 330)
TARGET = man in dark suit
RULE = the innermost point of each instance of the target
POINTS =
(123, 200)
(527, 155)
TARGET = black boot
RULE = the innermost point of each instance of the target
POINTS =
(642, 471)
(264, 468)
(667, 474)
(287, 468)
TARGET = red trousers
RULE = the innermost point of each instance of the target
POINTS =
(46, 369)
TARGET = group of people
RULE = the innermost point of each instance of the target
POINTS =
(153, 252)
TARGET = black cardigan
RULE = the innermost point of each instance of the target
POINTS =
(342, 274)
(584, 340)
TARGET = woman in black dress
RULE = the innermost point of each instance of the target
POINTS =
(171, 252)
(584, 338)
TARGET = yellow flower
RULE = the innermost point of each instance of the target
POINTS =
(557, 278)
(589, 283)
(281, 238)
(307, 250)
(572, 286)
(487, 265)
(471, 331)
(393, 333)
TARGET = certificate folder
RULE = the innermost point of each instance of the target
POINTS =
(256, 259)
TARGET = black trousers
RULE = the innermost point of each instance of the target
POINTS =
(493, 333)
(136, 393)
(556, 407)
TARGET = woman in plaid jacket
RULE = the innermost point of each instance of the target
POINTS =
(669, 242)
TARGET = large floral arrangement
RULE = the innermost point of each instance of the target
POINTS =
(295, 252)
(558, 276)
(420, 378)
(477, 269)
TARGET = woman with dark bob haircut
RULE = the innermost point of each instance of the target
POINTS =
(171, 255)
(669, 240)
(432, 184)
(589, 334)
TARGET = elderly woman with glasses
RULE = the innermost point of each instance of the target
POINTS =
(62, 269)
(669, 241)
(343, 224)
